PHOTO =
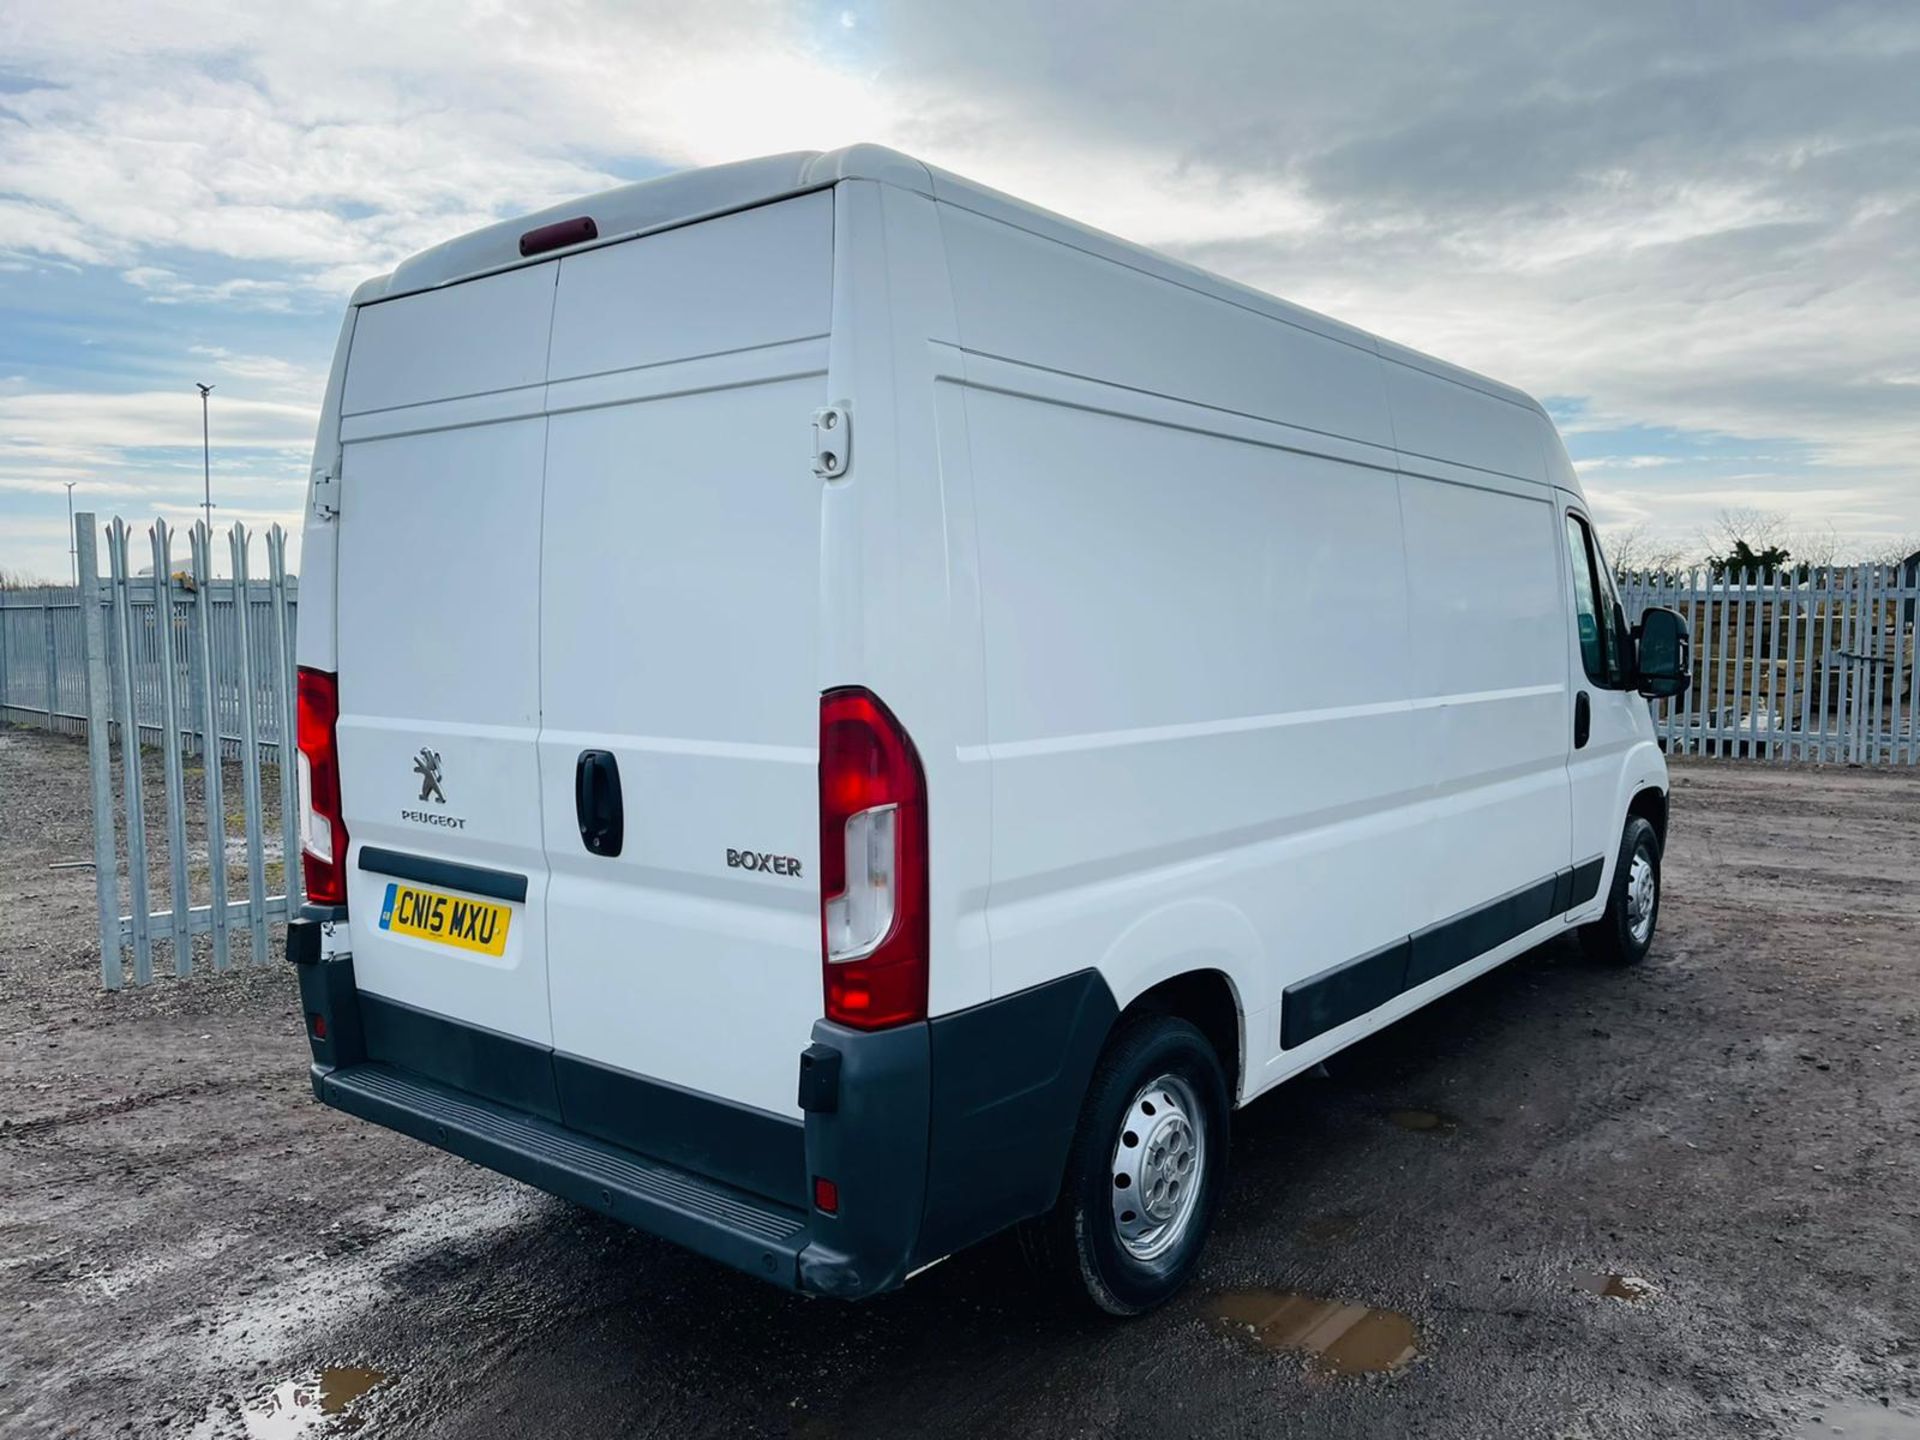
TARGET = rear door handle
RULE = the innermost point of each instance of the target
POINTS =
(1582, 720)
(596, 801)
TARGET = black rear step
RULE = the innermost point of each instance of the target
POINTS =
(729, 1225)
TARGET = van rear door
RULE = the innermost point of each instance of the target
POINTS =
(443, 441)
(679, 588)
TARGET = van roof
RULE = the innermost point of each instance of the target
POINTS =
(690, 195)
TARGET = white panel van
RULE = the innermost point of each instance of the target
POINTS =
(841, 713)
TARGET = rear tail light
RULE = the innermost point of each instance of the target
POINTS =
(873, 864)
(323, 834)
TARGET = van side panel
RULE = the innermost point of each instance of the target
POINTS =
(1490, 681)
(315, 644)
(1040, 302)
(1194, 695)
(1436, 418)
(1195, 634)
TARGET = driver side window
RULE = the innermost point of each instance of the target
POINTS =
(1595, 607)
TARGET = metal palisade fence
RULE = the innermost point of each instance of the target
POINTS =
(1804, 663)
(197, 670)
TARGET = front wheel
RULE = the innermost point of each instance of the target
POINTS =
(1145, 1172)
(1624, 934)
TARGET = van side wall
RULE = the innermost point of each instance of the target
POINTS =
(1273, 638)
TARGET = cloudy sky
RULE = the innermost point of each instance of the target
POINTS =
(1692, 228)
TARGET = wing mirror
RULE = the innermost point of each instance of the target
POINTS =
(1664, 660)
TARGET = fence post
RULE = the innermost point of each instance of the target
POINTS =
(162, 538)
(1705, 653)
(1775, 675)
(1778, 662)
(1859, 671)
(200, 659)
(1881, 661)
(1808, 749)
(1910, 634)
(1683, 702)
(93, 664)
(284, 683)
(1863, 646)
(53, 661)
(1740, 676)
(131, 770)
(1895, 745)
(249, 747)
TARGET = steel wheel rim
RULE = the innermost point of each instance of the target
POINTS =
(1159, 1161)
(1642, 892)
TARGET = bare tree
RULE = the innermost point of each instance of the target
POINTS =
(1889, 552)
(1634, 549)
(1760, 529)
(1819, 546)
(1747, 533)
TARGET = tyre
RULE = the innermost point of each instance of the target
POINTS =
(1624, 934)
(1145, 1172)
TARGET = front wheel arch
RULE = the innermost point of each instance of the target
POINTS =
(1650, 803)
(1624, 932)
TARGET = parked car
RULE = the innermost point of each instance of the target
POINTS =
(841, 713)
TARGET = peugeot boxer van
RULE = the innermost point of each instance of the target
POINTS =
(841, 713)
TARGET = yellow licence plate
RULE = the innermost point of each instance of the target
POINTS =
(470, 924)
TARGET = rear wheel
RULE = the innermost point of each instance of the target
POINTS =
(1624, 934)
(1145, 1172)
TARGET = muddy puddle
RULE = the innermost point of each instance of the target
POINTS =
(1337, 1337)
(1614, 1287)
(311, 1405)
(1859, 1420)
(1429, 1122)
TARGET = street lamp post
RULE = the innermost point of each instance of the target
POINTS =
(73, 551)
(206, 456)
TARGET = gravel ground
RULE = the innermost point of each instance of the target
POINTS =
(190, 1246)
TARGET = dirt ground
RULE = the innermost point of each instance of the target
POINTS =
(190, 1246)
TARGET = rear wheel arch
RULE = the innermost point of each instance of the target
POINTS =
(1206, 999)
(1125, 1231)
(1198, 959)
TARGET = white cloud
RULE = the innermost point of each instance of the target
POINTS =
(164, 287)
(91, 426)
(271, 374)
(1623, 462)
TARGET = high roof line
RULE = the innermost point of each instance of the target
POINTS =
(687, 196)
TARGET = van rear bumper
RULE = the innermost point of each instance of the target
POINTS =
(748, 1232)
(934, 1135)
